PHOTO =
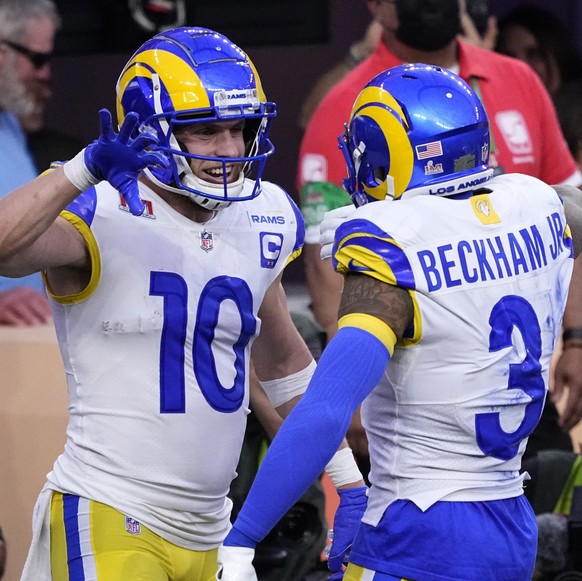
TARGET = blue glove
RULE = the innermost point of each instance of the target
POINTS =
(119, 159)
(349, 513)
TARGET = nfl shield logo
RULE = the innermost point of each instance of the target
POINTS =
(132, 526)
(206, 241)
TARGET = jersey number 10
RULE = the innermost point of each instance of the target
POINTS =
(172, 287)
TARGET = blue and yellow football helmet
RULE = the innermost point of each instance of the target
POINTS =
(191, 75)
(415, 129)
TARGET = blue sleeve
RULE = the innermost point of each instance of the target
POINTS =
(349, 369)
(84, 205)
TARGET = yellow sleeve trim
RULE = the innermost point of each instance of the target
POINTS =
(293, 256)
(85, 231)
(373, 325)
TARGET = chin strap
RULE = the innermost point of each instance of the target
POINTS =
(203, 201)
(233, 189)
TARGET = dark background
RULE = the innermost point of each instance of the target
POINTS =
(292, 42)
(289, 56)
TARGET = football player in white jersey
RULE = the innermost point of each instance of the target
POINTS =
(163, 274)
(454, 290)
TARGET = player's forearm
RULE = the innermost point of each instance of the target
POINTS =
(311, 435)
(325, 286)
(342, 468)
(30, 210)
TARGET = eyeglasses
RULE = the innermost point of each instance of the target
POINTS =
(38, 59)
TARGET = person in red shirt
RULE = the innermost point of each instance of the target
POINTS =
(525, 135)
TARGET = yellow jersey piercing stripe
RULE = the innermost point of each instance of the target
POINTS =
(373, 325)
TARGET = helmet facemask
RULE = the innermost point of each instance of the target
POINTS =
(180, 178)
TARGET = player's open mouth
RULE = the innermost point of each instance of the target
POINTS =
(219, 174)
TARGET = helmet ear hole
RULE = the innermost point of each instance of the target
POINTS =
(250, 133)
(380, 174)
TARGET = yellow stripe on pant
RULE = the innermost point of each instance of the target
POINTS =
(91, 541)
(357, 573)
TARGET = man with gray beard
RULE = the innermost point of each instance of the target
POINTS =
(27, 31)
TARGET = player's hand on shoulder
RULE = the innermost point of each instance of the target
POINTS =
(329, 224)
(236, 564)
(117, 158)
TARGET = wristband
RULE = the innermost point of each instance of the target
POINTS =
(342, 468)
(78, 174)
(280, 391)
(572, 333)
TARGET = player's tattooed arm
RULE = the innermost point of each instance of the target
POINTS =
(365, 294)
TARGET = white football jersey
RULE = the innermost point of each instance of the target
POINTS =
(156, 352)
(488, 277)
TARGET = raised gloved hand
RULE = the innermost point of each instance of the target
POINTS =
(117, 158)
(331, 220)
(236, 564)
(349, 513)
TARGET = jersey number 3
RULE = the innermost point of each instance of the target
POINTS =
(513, 311)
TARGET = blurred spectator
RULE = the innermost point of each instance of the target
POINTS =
(358, 51)
(554, 492)
(526, 134)
(568, 101)
(568, 367)
(539, 38)
(478, 26)
(47, 145)
(27, 31)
